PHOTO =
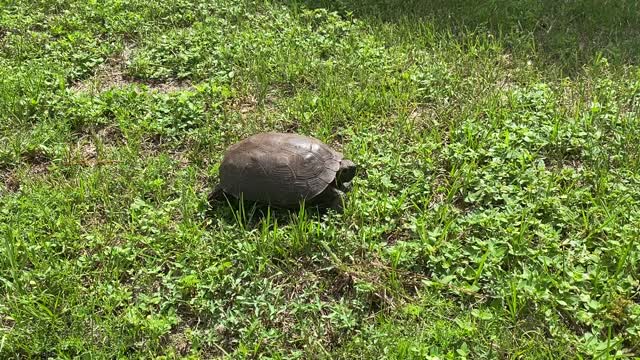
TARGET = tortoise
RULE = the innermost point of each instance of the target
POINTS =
(283, 170)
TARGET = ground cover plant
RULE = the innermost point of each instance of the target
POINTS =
(497, 215)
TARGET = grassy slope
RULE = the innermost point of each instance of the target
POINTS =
(498, 214)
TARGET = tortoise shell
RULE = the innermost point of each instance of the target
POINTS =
(280, 169)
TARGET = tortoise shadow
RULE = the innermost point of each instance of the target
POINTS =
(249, 214)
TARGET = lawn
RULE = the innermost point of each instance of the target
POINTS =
(496, 213)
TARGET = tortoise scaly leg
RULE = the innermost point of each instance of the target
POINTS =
(216, 195)
(336, 201)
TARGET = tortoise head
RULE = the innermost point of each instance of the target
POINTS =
(346, 172)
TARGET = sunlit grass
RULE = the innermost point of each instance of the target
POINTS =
(496, 214)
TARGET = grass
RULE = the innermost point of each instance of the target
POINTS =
(497, 215)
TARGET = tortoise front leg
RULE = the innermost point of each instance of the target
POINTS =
(336, 200)
(217, 194)
(345, 187)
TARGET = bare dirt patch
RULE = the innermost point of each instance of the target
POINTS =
(35, 157)
(110, 135)
(6, 323)
(11, 182)
(250, 104)
(13, 178)
(90, 148)
(181, 344)
(247, 105)
(424, 117)
(391, 237)
(84, 153)
(112, 75)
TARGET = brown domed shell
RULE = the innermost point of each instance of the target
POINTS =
(280, 169)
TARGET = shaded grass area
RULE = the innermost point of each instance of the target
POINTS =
(565, 35)
(496, 216)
